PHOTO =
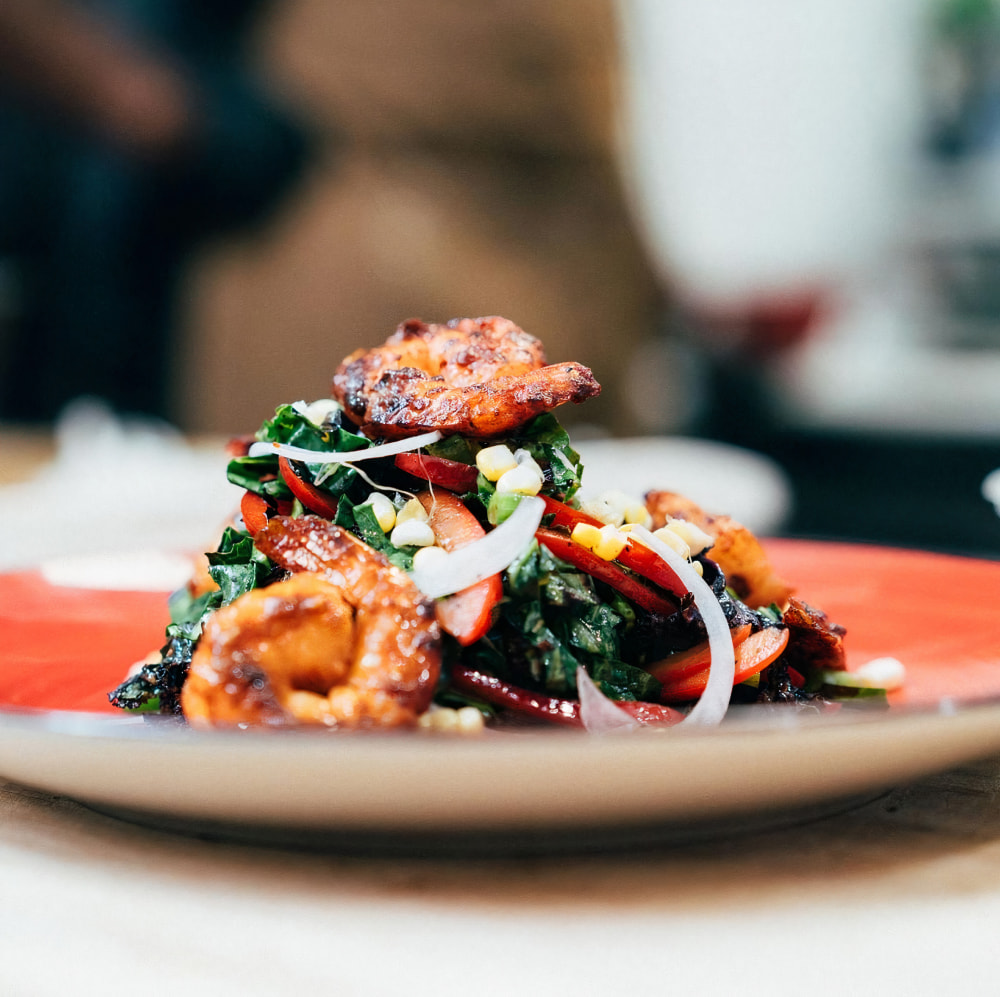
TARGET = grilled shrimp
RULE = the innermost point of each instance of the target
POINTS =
(478, 377)
(736, 550)
(347, 641)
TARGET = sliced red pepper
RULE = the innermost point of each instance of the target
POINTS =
(614, 575)
(253, 508)
(649, 564)
(695, 659)
(450, 474)
(635, 556)
(466, 615)
(313, 498)
(566, 712)
(752, 656)
(566, 515)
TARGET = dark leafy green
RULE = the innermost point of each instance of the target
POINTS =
(236, 567)
(555, 619)
(260, 474)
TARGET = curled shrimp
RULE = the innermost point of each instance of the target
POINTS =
(346, 641)
(478, 377)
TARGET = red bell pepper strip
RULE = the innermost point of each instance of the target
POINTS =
(614, 575)
(752, 656)
(566, 712)
(635, 556)
(466, 615)
(649, 564)
(695, 659)
(253, 508)
(565, 515)
(313, 498)
(450, 474)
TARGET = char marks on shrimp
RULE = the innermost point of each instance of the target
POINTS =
(475, 376)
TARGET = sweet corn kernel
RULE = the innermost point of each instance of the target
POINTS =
(636, 514)
(426, 556)
(615, 508)
(411, 509)
(524, 459)
(384, 510)
(494, 462)
(470, 720)
(605, 512)
(611, 543)
(445, 720)
(586, 535)
(522, 479)
(694, 536)
(412, 533)
(673, 541)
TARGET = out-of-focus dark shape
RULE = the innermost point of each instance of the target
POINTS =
(130, 133)
(479, 178)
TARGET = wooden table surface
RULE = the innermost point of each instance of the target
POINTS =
(901, 895)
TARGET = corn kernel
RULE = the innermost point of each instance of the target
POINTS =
(524, 459)
(384, 510)
(694, 536)
(522, 479)
(426, 556)
(673, 541)
(494, 462)
(586, 535)
(615, 508)
(412, 533)
(412, 509)
(445, 720)
(636, 514)
(611, 543)
(470, 720)
(599, 509)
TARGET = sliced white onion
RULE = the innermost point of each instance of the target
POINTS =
(599, 714)
(459, 569)
(714, 701)
(261, 449)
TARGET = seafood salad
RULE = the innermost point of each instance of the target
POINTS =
(413, 552)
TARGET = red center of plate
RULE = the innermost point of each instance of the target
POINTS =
(66, 648)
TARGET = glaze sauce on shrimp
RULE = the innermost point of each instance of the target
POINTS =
(477, 377)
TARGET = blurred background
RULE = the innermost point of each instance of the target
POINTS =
(775, 226)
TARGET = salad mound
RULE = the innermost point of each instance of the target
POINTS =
(526, 603)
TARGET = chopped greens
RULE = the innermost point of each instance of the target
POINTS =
(235, 567)
(553, 617)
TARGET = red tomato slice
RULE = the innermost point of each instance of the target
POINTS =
(466, 615)
(253, 508)
(752, 656)
(450, 474)
(587, 561)
(313, 498)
